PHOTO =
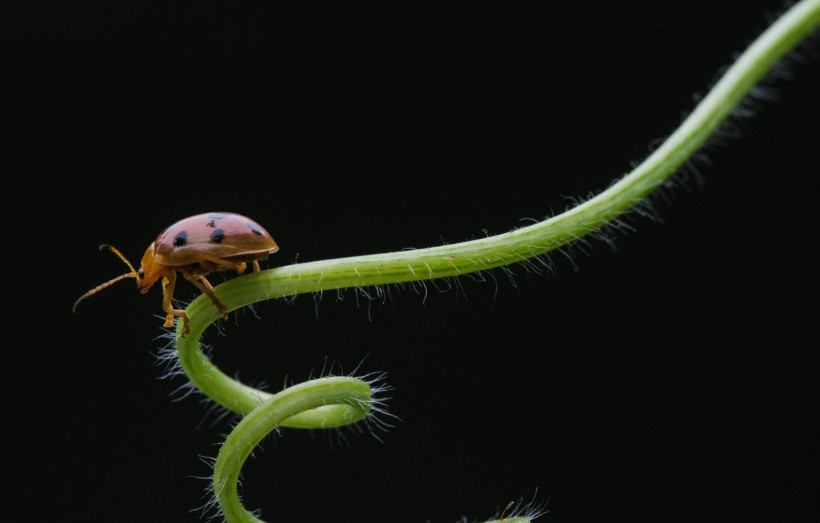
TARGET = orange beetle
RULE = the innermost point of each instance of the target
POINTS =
(196, 246)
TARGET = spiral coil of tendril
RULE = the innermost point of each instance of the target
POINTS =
(335, 401)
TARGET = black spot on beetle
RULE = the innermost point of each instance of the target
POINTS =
(210, 224)
(181, 239)
(217, 236)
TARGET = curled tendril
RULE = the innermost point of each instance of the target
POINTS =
(336, 401)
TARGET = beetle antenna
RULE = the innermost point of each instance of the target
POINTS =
(106, 247)
(98, 288)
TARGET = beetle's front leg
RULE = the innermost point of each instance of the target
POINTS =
(168, 284)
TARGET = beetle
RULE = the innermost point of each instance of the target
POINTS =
(195, 247)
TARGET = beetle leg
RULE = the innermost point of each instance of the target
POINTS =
(168, 284)
(256, 267)
(206, 287)
(226, 265)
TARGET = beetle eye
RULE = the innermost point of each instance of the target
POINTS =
(140, 273)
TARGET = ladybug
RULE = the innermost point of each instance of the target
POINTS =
(196, 246)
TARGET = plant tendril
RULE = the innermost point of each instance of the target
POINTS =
(334, 401)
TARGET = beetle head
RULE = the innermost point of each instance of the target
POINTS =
(150, 270)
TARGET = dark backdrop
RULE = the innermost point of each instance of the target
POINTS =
(671, 379)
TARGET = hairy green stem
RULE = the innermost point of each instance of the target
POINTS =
(349, 402)
(345, 399)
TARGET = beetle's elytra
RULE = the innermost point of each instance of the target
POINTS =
(195, 247)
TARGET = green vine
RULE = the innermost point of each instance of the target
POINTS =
(334, 401)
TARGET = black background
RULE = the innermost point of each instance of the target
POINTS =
(672, 379)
